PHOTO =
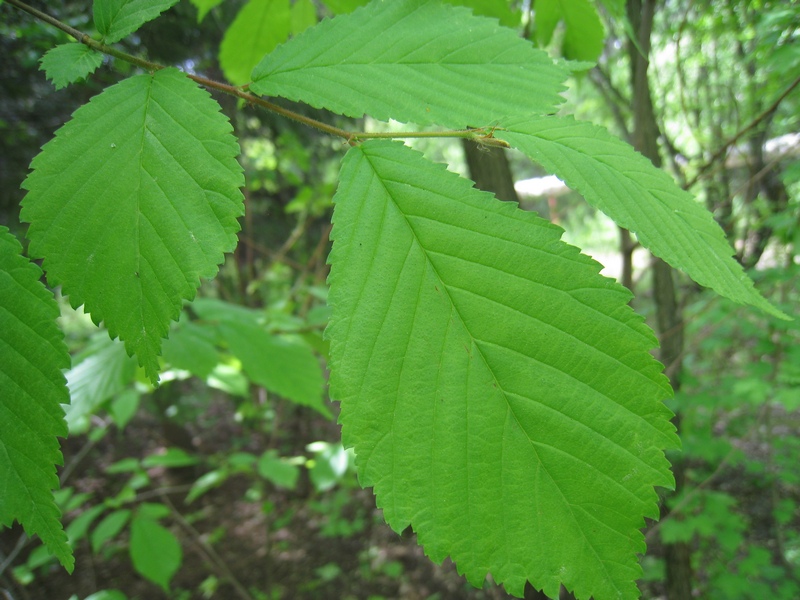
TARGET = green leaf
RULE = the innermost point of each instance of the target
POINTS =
(280, 472)
(304, 15)
(206, 483)
(116, 19)
(68, 63)
(583, 38)
(32, 390)
(626, 186)
(258, 28)
(192, 347)
(414, 61)
(134, 200)
(108, 528)
(124, 407)
(155, 552)
(339, 7)
(107, 595)
(172, 458)
(203, 6)
(79, 526)
(283, 365)
(106, 371)
(498, 392)
(498, 9)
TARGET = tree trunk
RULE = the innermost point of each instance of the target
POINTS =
(489, 169)
(645, 139)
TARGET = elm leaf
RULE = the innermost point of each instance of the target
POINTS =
(68, 63)
(116, 19)
(499, 393)
(622, 183)
(32, 390)
(133, 201)
(416, 61)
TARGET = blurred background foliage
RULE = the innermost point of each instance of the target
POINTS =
(228, 481)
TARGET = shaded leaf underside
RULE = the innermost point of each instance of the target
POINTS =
(395, 60)
(497, 390)
(32, 389)
(133, 201)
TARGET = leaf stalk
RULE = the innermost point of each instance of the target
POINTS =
(482, 136)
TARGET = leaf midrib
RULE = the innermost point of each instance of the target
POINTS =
(494, 378)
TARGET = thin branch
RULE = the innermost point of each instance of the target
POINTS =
(766, 114)
(208, 551)
(481, 136)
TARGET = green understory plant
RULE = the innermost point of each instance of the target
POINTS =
(498, 392)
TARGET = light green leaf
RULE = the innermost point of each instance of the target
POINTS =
(124, 407)
(107, 595)
(626, 186)
(282, 365)
(340, 7)
(258, 28)
(172, 458)
(78, 528)
(203, 6)
(192, 347)
(108, 528)
(206, 483)
(278, 471)
(68, 63)
(106, 371)
(133, 202)
(498, 9)
(498, 392)
(32, 390)
(304, 15)
(415, 61)
(155, 552)
(116, 19)
(584, 32)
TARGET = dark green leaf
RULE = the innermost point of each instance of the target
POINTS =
(32, 390)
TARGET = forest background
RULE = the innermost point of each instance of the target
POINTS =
(253, 495)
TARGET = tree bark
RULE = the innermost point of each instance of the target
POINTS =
(645, 135)
(489, 169)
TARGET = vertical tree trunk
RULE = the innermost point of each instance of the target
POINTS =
(489, 169)
(645, 139)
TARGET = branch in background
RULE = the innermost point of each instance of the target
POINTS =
(723, 150)
(614, 99)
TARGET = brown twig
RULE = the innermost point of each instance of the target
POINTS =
(353, 138)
